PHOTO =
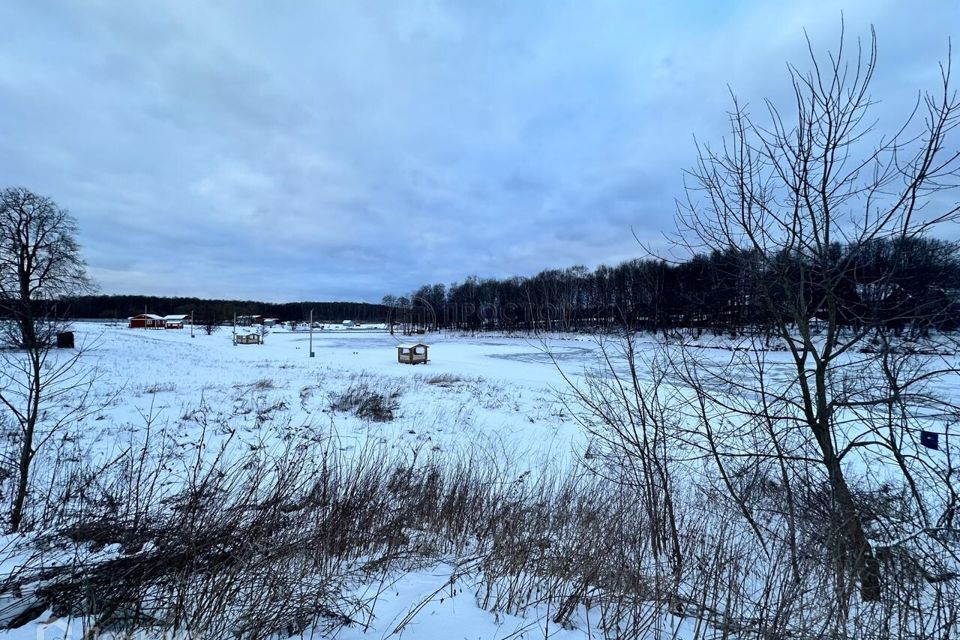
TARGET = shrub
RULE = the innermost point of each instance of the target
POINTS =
(376, 405)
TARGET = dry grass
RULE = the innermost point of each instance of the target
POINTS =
(275, 543)
(376, 404)
(444, 380)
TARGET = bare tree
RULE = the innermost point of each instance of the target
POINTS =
(807, 193)
(40, 265)
(630, 427)
(210, 324)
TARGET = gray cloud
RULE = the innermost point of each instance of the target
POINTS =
(300, 150)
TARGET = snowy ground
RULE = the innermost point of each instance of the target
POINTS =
(498, 395)
(499, 391)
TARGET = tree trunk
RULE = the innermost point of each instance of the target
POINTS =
(848, 520)
(26, 445)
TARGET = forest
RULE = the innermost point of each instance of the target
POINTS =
(725, 291)
(721, 292)
(113, 307)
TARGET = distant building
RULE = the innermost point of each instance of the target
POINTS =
(249, 321)
(347, 323)
(146, 321)
(174, 321)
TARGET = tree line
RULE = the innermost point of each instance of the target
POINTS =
(111, 307)
(721, 291)
(718, 292)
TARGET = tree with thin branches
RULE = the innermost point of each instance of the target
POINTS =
(809, 193)
(40, 266)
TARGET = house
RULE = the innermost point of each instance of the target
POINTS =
(347, 323)
(412, 353)
(146, 321)
(174, 321)
(271, 322)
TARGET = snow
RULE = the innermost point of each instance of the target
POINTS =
(494, 393)
(499, 393)
(434, 604)
(473, 390)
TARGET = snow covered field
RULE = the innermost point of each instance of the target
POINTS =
(503, 400)
(489, 390)
(499, 396)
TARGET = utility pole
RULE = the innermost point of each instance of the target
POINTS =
(191, 324)
(234, 328)
(311, 333)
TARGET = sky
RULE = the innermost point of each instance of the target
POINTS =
(344, 150)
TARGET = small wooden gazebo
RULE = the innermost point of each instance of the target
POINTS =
(412, 353)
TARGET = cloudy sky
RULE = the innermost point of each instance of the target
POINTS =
(286, 150)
